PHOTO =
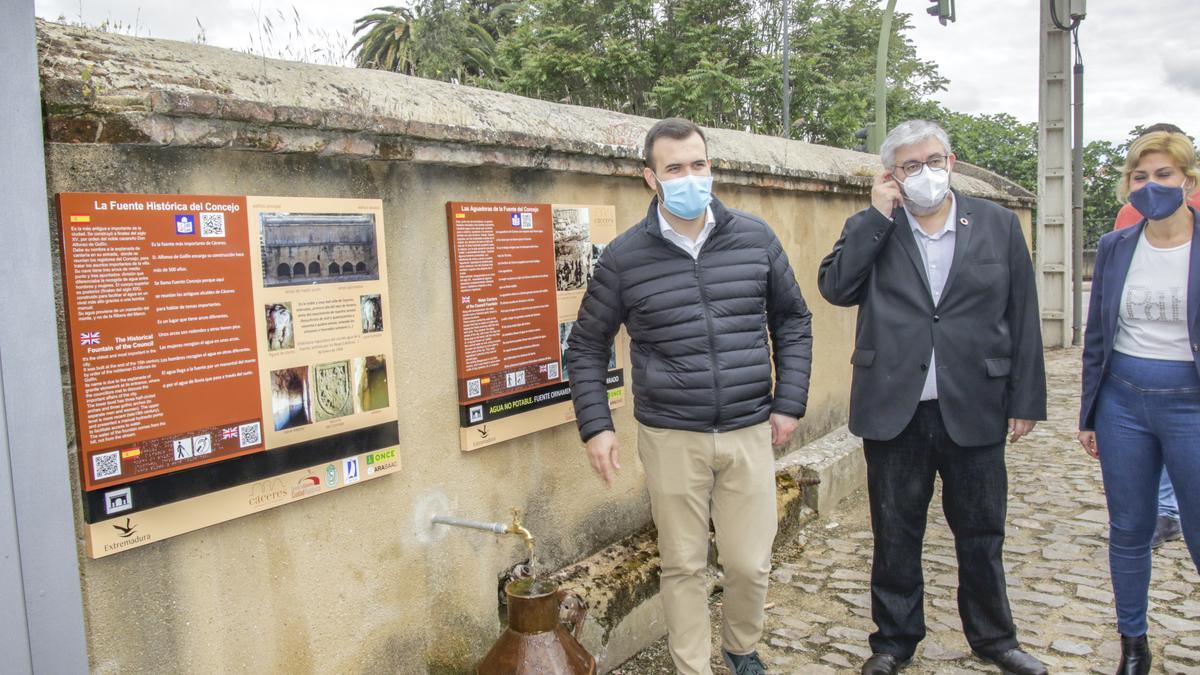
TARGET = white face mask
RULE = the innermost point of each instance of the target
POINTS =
(927, 190)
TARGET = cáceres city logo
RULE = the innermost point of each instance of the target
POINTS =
(266, 492)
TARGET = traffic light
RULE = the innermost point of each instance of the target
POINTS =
(867, 136)
(942, 9)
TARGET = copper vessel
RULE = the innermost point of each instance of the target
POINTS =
(536, 642)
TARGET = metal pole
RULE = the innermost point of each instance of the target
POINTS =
(41, 604)
(877, 132)
(787, 83)
(1077, 210)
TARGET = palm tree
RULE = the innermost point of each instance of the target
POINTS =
(387, 43)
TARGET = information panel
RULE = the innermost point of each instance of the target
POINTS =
(229, 354)
(519, 274)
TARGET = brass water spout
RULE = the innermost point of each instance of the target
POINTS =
(515, 528)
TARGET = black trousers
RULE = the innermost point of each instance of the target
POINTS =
(900, 484)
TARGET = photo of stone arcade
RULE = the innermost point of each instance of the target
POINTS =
(318, 248)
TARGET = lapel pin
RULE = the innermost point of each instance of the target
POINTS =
(963, 221)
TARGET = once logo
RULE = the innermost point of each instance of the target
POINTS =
(381, 456)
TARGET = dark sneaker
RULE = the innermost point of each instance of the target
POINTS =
(1166, 530)
(748, 664)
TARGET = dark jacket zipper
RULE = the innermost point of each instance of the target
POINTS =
(712, 343)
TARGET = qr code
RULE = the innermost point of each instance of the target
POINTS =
(473, 388)
(250, 434)
(212, 224)
(552, 370)
(106, 465)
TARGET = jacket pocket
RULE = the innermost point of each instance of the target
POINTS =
(862, 357)
(998, 367)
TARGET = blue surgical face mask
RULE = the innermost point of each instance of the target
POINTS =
(687, 196)
(1155, 201)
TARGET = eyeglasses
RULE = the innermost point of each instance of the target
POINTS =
(913, 167)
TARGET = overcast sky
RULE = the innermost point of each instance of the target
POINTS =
(1139, 67)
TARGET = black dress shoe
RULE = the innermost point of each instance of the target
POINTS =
(1015, 662)
(884, 664)
(1135, 656)
(1166, 529)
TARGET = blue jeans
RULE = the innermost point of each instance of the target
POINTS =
(1167, 504)
(1147, 417)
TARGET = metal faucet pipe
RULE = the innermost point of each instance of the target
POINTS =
(498, 528)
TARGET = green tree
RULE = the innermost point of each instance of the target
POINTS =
(434, 39)
(999, 143)
(387, 40)
(833, 44)
(706, 49)
(717, 62)
(1102, 162)
(597, 53)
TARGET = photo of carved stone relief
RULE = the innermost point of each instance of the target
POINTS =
(371, 312)
(597, 250)
(370, 382)
(280, 329)
(291, 404)
(332, 393)
(572, 248)
(318, 248)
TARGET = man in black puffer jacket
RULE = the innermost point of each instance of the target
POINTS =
(710, 302)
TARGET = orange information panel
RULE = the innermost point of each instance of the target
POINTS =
(162, 339)
(519, 274)
(207, 330)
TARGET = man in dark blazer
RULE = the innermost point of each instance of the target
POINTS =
(947, 362)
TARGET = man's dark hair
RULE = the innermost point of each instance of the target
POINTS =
(672, 127)
(1163, 126)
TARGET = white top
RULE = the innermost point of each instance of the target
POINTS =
(691, 247)
(937, 252)
(1152, 321)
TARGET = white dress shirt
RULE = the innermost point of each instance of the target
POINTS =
(937, 252)
(691, 247)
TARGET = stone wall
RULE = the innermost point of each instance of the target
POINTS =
(358, 581)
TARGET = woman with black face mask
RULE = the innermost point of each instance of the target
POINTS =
(1140, 409)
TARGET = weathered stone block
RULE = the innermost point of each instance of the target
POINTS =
(72, 129)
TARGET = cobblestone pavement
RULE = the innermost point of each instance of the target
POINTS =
(1055, 554)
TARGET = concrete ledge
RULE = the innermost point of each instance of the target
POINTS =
(836, 460)
(620, 583)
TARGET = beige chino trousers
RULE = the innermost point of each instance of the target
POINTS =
(730, 477)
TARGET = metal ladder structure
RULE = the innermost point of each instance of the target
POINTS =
(1052, 235)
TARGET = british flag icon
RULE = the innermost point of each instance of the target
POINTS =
(89, 338)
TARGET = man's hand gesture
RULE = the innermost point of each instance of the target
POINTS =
(782, 428)
(885, 193)
(604, 453)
